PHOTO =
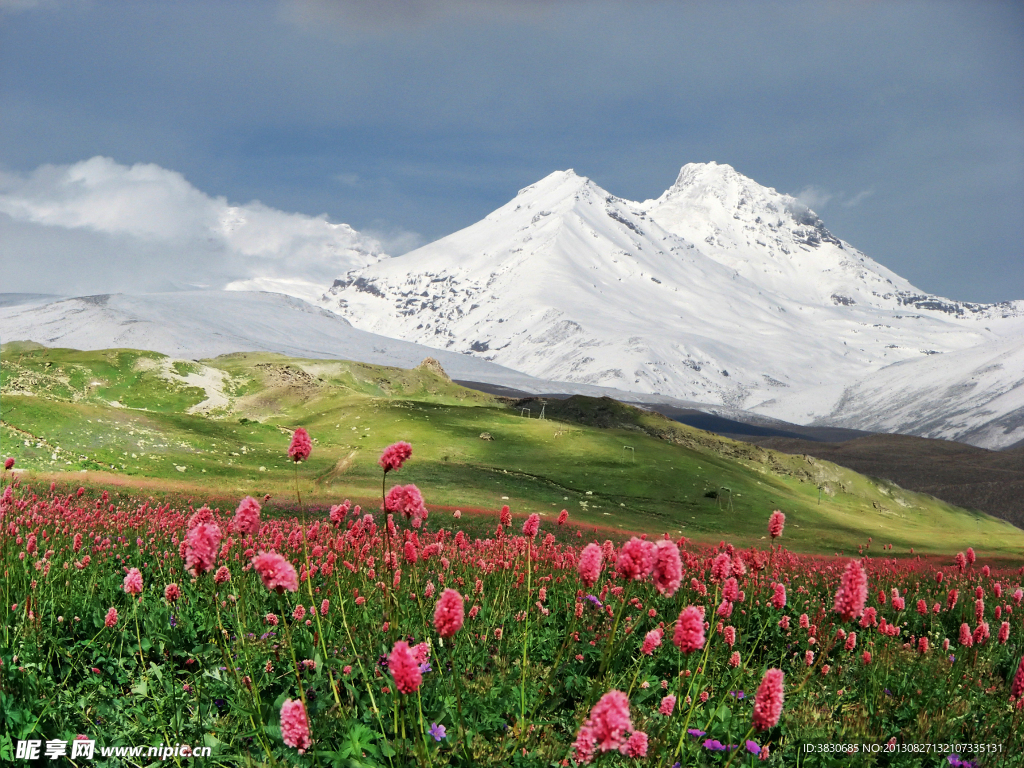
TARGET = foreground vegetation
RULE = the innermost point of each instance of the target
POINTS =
(377, 643)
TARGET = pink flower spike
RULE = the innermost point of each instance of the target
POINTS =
(636, 746)
(408, 500)
(276, 572)
(768, 700)
(111, 619)
(609, 721)
(689, 633)
(295, 725)
(201, 548)
(1017, 688)
(301, 446)
(133, 582)
(449, 613)
(668, 568)
(853, 592)
(531, 526)
(668, 704)
(394, 456)
(590, 564)
(776, 523)
(404, 668)
(247, 516)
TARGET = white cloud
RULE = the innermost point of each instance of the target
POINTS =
(101, 226)
(814, 197)
(858, 198)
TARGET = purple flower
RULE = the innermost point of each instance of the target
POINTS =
(717, 746)
(738, 694)
(753, 748)
(437, 731)
(695, 733)
(594, 600)
(424, 668)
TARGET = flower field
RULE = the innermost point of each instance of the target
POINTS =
(388, 637)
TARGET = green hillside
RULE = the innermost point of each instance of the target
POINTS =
(222, 427)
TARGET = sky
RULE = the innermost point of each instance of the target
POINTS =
(153, 145)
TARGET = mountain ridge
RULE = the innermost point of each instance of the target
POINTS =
(698, 295)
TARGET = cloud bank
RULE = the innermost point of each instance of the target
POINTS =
(98, 226)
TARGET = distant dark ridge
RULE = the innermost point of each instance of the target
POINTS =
(739, 430)
(500, 391)
(957, 473)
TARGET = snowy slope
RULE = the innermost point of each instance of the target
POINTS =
(974, 396)
(202, 324)
(720, 291)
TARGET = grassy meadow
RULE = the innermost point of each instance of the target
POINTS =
(217, 428)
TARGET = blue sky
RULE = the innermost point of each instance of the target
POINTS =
(902, 124)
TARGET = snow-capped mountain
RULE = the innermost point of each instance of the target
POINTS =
(973, 396)
(720, 291)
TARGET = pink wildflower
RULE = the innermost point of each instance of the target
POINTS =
(778, 599)
(1017, 688)
(731, 590)
(689, 632)
(721, 567)
(768, 700)
(634, 560)
(531, 526)
(636, 746)
(394, 456)
(133, 582)
(222, 575)
(201, 548)
(404, 668)
(609, 721)
(563, 516)
(408, 500)
(172, 593)
(853, 592)
(1004, 632)
(276, 572)
(668, 705)
(338, 511)
(589, 567)
(247, 516)
(966, 638)
(301, 446)
(8, 462)
(776, 523)
(651, 641)
(668, 568)
(449, 613)
(295, 725)
(111, 618)
(729, 635)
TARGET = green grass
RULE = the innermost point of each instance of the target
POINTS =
(128, 413)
